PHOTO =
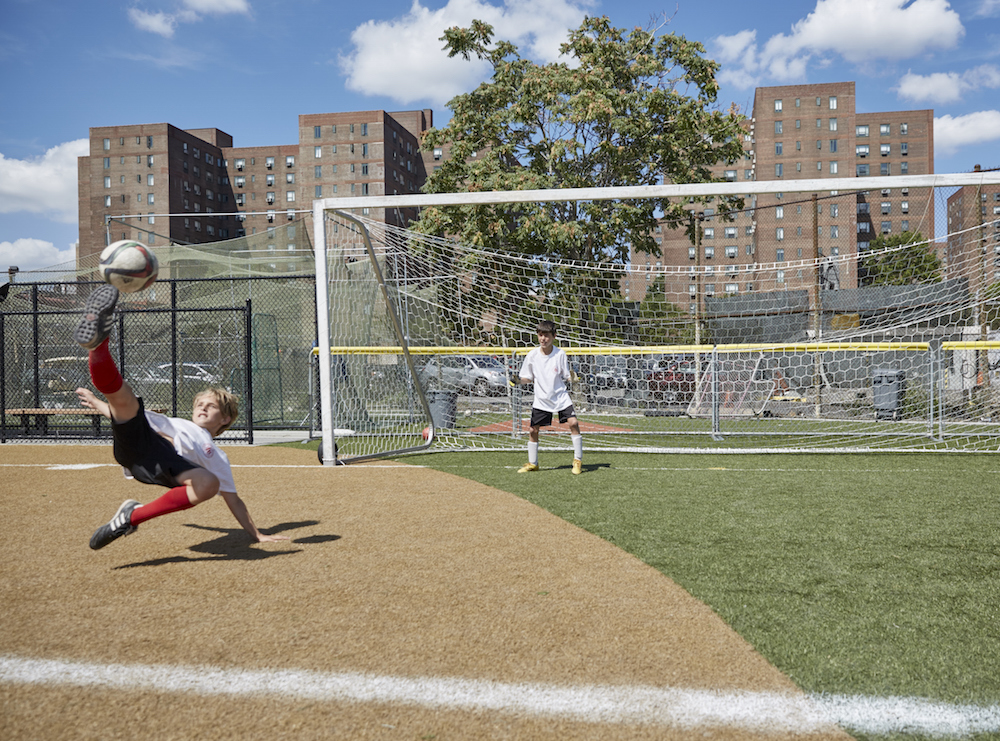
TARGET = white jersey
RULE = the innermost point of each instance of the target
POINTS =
(196, 445)
(551, 376)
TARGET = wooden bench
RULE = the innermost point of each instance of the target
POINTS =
(41, 418)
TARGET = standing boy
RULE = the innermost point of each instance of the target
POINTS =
(547, 367)
(155, 449)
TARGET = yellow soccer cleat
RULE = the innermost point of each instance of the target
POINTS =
(528, 467)
(577, 466)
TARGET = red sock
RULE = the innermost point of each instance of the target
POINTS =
(174, 500)
(103, 371)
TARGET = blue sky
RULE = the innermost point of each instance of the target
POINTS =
(249, 67)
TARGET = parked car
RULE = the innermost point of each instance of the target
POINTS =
(478, 375)
(58, 379)
(672, 380)
(199, 374)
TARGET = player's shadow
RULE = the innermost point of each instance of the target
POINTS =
(584, 468)
(234, 545)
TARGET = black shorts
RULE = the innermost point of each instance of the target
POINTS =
(541, 418)
(149, 456)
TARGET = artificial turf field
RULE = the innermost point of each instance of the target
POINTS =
(873, 575)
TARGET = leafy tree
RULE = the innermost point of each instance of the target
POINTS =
(626, 108)
(662, 322)
(914, 262)
(629, 108)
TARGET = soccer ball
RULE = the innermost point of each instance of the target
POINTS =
(129, 266)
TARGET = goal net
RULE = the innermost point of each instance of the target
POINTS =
(860, 318)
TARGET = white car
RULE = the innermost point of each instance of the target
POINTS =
(478, 375)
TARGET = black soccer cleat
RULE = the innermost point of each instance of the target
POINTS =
(120, 524)
(97, 320)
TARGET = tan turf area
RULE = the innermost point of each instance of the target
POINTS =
(392, 570)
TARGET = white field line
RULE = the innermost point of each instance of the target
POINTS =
(678, 708)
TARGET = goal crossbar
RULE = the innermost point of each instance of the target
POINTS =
(683, 190)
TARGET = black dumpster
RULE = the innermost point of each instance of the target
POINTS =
(888, 389)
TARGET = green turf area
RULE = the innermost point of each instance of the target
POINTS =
(864, 574)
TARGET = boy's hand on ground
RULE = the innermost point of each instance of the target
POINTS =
(272, 538)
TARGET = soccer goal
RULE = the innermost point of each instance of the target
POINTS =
(791, 322)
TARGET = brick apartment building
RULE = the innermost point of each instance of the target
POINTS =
(800, 132)
(215, 191)
(973, 247)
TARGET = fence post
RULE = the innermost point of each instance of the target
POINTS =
(247, 314)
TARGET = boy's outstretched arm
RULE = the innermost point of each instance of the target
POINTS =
(242, 515)
(89, 399)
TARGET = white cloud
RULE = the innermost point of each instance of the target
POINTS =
(217, 7)
(159, 23)
(947, 87)
(44, 185)
(414, 67)
(853, 30)
(954, 132)
(34, 254)
(988, 9)
(164, 24)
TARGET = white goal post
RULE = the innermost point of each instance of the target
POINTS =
(808, 359)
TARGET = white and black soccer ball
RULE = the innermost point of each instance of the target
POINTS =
(129, 266)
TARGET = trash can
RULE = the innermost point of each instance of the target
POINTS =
(443, 407)
(888, 389)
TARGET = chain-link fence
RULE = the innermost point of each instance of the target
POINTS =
(253, 335)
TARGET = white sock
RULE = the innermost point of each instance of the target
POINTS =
(577, 446)
(533, 453)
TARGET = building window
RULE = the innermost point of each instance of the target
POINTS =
(107, 181)
(886, 227)
(779, 212)
(861, 170)
(904, 167)
(779, 254)
(905, 207)
(318, 192)
(730, 176)
(885, 149)
(780, 276)
(149, 198)
(833, 124)
(290, 161)
(833, 168)
(730, 232)
(317, 132)
(270, 196)
(269, 163)
(886, 207)
(731, 251)
(778, 169)
(779, 233)
(862, 208)
(834, 232)
(884, 129)
(290, 196)
(777, 106)
(863, 227)
(709, 252)
(861, 131)
(904, 129)
(318, 171)
(905, 225)
(691, 253)
(289, 177)
(709, 233)
(777, 127)
(778, 146)
(833, 102)
(861, 150)
(834, 210)
(904, 148)
(833, 145)
(885, 169)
